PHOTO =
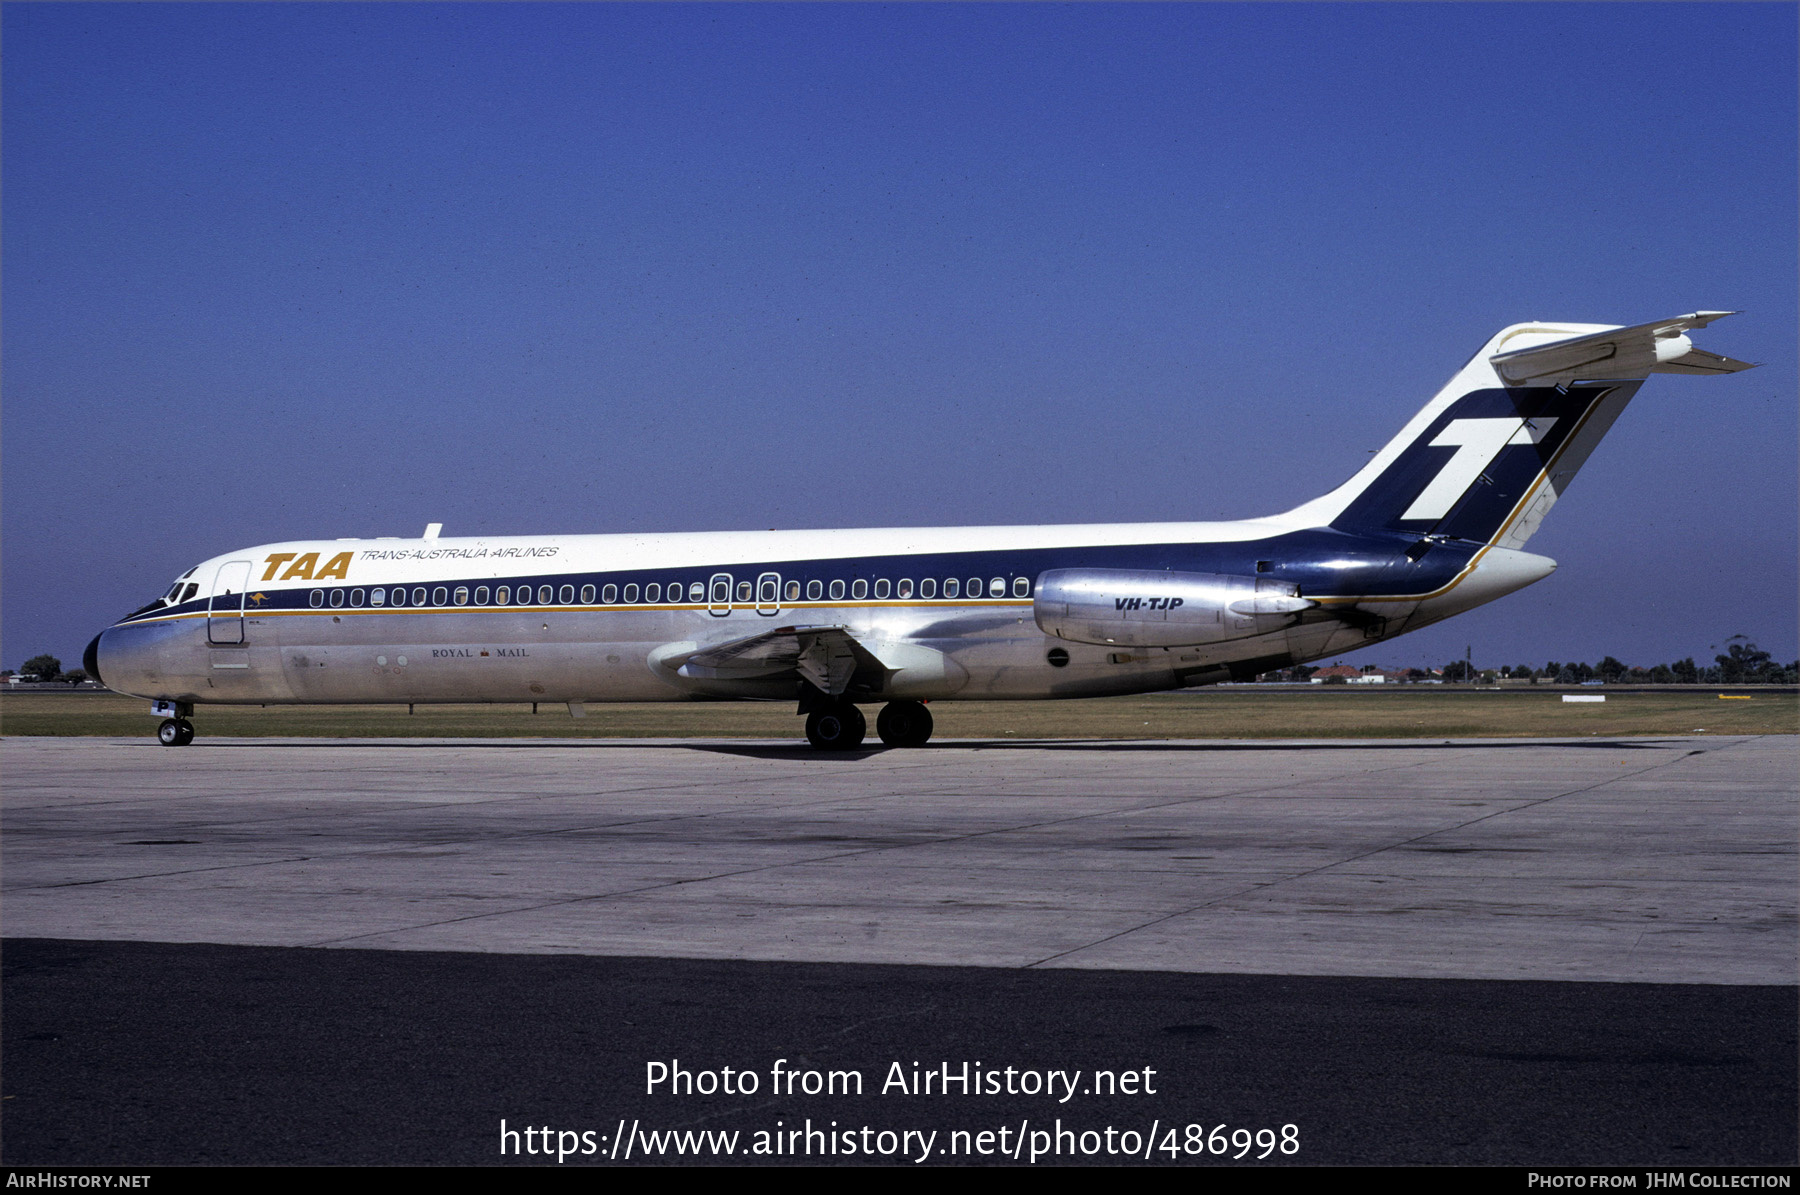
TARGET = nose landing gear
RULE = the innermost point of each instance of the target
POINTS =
(176, 730)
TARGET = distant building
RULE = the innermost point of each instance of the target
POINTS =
(1357, 676)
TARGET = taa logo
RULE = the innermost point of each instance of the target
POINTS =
(1477, 443)
(306, 567)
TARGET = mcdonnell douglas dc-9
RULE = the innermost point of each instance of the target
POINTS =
(1434, 524)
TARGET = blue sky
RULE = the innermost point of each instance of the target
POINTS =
(295, 270)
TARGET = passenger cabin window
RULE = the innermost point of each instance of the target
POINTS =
(502, 596)
(566, 594)
(461, 597)
(696, 591)
(928, 588)
(950, 586)
(837, 591)
(997, 587)
(904, 589)
(881, 588)
(418, 596)
(631, 592)
(814, 590)
(608, 595)
(439, 595)
(743, 591)
(793, 591)
(317, 598)
(766, 592)
(377, 597)
(337, 598)
(974, 587)
(356, 597)
(481, 595)
(652, 592)
(587, 594)
(1021, 587)
(721, 592)
(545, 593)
(859, 589)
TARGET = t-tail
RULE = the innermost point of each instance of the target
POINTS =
(1487, 458)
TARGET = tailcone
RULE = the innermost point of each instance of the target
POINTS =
(1496, 573)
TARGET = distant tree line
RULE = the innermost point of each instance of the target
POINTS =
(1743, 663)
(47, 668)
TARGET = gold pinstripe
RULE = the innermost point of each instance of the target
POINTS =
(340, 611)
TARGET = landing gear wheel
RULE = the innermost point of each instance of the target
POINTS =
(840, 728)
(904, 724)
(175, 732)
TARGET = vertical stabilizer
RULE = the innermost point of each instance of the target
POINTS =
(1489, 455)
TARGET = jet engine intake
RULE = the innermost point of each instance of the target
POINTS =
(1140, 608)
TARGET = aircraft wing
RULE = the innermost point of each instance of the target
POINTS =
(1633, 352)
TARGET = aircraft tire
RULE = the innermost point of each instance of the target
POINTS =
(187, 732)
(174, 733)
(838, 729)
(904, 724)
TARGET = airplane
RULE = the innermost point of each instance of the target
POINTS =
(1433, 525)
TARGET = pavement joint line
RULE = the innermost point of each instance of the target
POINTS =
(406, 807)
(854, 853)
(1312, 871)
(829, 858)
(524, 835)
(518, 835)
(495, 798)
(666, 819)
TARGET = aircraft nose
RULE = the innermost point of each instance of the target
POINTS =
(90, 660)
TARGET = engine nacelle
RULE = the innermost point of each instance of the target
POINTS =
(1149, 609)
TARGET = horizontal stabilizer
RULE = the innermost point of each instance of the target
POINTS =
(1701, 361)
(1634, 352)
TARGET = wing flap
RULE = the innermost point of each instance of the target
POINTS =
(827, 657)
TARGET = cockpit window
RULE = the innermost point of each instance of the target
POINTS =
(181, 591)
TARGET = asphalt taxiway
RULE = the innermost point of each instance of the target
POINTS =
(1388, 940)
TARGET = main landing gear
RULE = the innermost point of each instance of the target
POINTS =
(904, 724)
(842, 727)
(839, 727)
(175, 732)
